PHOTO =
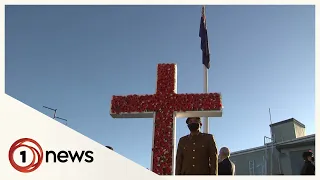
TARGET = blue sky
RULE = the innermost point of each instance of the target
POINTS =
(75, 58)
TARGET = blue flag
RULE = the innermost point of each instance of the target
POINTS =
(204, 40)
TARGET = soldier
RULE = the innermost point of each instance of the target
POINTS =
(308, 167)
(197, 152)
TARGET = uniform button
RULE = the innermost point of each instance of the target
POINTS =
(194, 150)
(194, 143)
(193, 165)
(193, 157)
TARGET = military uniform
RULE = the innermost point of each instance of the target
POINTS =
(197, 155)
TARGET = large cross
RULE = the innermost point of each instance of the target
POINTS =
(164, 107)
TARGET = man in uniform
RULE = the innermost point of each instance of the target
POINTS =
(197, 152)
(308, 167)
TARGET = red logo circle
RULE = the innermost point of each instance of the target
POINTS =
(36, 154)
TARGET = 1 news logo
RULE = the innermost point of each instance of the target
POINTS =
(26, 155)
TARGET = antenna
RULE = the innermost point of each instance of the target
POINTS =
(270, 116)
(54, 114)
(55, 111)
(62, 120)
(271, 133)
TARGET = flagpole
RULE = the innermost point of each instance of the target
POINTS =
(205, 90)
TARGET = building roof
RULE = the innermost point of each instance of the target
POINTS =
(302, 141)
(288, 120)
(305, 140)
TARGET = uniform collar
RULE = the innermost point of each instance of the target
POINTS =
(196, 135)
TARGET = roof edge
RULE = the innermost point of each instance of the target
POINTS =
(289, 120)
(259, 148)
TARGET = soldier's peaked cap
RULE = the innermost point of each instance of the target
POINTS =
(197, 118)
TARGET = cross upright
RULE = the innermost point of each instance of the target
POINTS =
(165, 106)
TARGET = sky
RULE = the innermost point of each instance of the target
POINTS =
(74, 58)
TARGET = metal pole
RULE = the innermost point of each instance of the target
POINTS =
(272, 141)
(266, 156)
(205, 90)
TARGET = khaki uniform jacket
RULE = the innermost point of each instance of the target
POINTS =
(197, 155)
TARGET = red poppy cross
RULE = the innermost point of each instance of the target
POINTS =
(164, 106)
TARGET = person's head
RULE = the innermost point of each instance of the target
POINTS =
(224, 153)
(308, 156)
(194, 124)
(110, 147)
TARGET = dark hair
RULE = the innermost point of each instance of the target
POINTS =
(110, 147)
(198, 118)
(305, 155)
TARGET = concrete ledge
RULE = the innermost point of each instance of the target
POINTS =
(214, 113)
